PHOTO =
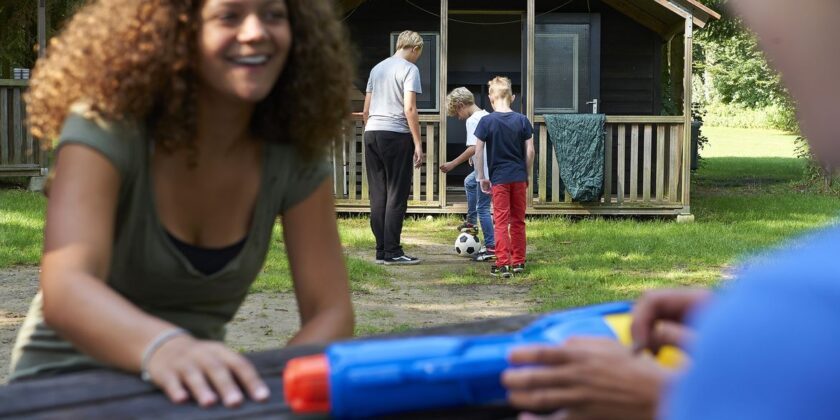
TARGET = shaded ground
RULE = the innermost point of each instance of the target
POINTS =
(418, 296)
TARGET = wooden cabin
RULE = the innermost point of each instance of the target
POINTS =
(616, 57)
(563, 56)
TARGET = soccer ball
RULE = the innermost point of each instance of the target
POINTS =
(467, 244)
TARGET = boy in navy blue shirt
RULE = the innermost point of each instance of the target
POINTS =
(508, 136)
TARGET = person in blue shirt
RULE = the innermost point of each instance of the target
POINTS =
(765, 347)
(509, 139)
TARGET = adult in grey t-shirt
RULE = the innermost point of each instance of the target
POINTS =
(392, 138)
(389, 81)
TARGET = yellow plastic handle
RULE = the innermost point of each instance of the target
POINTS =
(669, 356)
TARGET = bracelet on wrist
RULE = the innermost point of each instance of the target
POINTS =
(153, 346)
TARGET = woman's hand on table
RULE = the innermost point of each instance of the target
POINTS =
(206, 370)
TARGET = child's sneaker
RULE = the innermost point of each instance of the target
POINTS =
(402, 260)
(468, 227)
(485, 254)
(503, 271)
(519, 268)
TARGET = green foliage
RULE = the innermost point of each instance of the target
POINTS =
(740, 88)
(740, 73)
(776, 117)
(816, 177)
(19, 30)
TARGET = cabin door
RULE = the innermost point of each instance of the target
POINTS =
(566, 63)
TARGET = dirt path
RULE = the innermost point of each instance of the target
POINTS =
(17, 287)
(419, 296)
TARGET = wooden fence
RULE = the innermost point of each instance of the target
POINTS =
(350, 175)
(20, 153)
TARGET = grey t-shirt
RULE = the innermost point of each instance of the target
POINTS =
(389, 81)
(146, 267)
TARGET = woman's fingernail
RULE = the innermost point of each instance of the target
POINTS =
(233, 398)
(261, 393)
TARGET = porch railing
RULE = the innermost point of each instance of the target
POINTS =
(644, 170)
(643, 164)
(20, 153)
(350, 175)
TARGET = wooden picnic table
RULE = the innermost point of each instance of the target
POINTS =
(110, 394)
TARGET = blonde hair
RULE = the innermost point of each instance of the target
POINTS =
(500, 87)
(459, 97)
(409, 39)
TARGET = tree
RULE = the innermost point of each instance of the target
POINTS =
(19, 31)
(729, 55)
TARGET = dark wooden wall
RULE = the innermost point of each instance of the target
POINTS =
(371, 23)
(631, 66)
(631, 55)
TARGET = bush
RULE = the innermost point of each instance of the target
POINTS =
(816, 178)
(771, 117)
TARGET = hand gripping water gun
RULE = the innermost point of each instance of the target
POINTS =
(366, 378)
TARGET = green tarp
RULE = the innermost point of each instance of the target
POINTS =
(578, 141)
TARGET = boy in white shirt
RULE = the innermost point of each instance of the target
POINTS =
(461, 103)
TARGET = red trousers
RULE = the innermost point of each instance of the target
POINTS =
(509, 202)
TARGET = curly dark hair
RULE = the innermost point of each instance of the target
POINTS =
(132, 59)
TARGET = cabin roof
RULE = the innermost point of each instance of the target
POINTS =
(665, 17)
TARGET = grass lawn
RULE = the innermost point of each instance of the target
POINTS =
(21, 227)
(742, 206)
(747, 142)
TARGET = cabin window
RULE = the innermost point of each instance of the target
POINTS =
(561, 67)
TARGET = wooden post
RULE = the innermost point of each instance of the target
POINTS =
(42, 27)
(350, 135)
(443, 69)
(686, 155)
(4, 126)
(43, 155)
(660, 162)
(634, 162)
(543, 160)
(646, 168)
(608, 164)
(529, 84)
(430, 162)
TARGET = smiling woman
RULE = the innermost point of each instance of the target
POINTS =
(184, 129)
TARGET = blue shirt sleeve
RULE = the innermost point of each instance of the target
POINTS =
(769, 348)
(481, 129)
(527, 128)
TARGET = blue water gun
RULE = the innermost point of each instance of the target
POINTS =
(359, 379)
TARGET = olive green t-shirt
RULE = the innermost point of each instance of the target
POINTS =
(146, 267)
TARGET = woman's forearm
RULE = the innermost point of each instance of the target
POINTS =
(98, 321)
(328, 325)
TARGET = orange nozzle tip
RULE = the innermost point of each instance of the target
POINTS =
(306, 384)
